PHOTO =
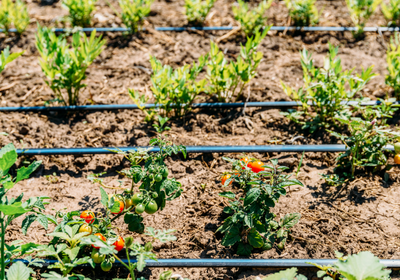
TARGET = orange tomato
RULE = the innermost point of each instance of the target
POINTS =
(119, 244)
(397, 159)
(245, 160)
(99, 235)
(256, 166)
(121, 207)
(226, 177)
(88, 216)
(86, 228)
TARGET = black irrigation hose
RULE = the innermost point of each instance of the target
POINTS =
(196, 149)
(271, 104)
(216, 28)
(270, 263)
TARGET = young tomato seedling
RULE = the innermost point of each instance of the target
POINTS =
(13, 14)
(302, 12)
(197, 10)
(360, 12)
(251, 223)
(134, 12)
(251, 20)
(80, 11)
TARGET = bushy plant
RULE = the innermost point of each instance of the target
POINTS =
(325, 92)
(197, 10)
(13, 14)
(369, 133)
(392, 79)
(12, 208)
(251, 223)
(360, 12)
(65, 64)
(80, 11)
(302, 12)
(6, 57)
(134, 12)
(392, 12)
(173, 90)
(251, 20)
(227, 80)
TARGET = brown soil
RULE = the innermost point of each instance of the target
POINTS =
(364, 216)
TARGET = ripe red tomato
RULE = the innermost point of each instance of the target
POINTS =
(121, 207)
(256, 166)
(99, 235)
(397, 159)
(119, 244)
(88, 216)
(86, 228)
(226, 177)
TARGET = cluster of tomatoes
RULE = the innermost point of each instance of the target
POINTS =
(142, 202)
(255, 165)
(397, 151)
(105, 263)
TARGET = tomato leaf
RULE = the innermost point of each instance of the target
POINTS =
(232, 237)
(104, 197)
(255, 239)
(18, 271)
(288, 274)
(8, 156)
(289, 220)
(24, 172)
(14, 209)
(229, 195)
(252, 196)
(244, 249)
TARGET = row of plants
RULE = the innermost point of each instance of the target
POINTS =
(133, 12)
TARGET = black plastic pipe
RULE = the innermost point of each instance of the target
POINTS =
(271, 104)
(216, 28)
(197, 149)
(269, 263)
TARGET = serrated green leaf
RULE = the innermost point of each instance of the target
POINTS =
(288, 274)
(18, 271)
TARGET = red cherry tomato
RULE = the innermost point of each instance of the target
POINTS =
(119, 244)
(256, 166)
(88, 216)
(99, 235)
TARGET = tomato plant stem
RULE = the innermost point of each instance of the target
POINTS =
(3, 233)
(132, 272)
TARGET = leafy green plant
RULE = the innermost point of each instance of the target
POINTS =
(369, 134)
(325, 92)
(392, 12)
(251, 223)
(6, 57)
(134, 12)
(65, 65)
(392, 79)
(12, 208)
(361, 266)
(159, 127)
(302, 12)
(288, 274)
(251, 20)
(197, 10)
(228, 79)
(80, 11)
(360, 12)
(13, 14)
(173, 90)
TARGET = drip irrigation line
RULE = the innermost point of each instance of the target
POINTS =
(270, 263)
(195, 149)
(271, 104)
(227, 28)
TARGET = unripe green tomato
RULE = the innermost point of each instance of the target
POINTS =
(281, 245)
(137, 198)
(112, 260)
(397, 148)
(154, 195)
(151, 176)
(106, 265)
(128, 191)
(97, 257)
(267, 246)
(151, 207)
(158, 178)
(165, 172)
(139, 208)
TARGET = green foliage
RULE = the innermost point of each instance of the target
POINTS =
(369, 133)
(173, 90)
(251, 20)
(288, 274)
(392, 79)
(134, 12)
(6, 57)
(360, 12)
(12, 208)
(13, 14)
(302, 12)
(159, 127)
(65, 65)
(326, 88)
(80, 11)
(251, 224)
(228, 79)
(392, 12)
(197, 10)
(361, 266)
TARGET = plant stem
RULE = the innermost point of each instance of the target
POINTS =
(132, 272)
(3, 233)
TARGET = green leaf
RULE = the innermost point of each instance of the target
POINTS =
(244, 249)
(232, 237)
(8, 156)
(43, 220)
(290, 220)
(288, 274)
(72, 253)
(252, 196)
(362, 266)
(104, 197)
(26, 223)
(18, 271)
(255, 239)
(229, 195)
(14, 209)
(24, 172)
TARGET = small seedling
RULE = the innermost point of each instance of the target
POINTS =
(251, 20)
(134, 12)
(197, 10)
(360, 12)
(302, 12)
(80, 11)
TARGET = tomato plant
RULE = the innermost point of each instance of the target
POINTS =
(13, 14)
(6, 57)
(251, 20)
(302, 12)
(251, 224)
(391, 12)
(134, 12)
(197, 10)
(86, 228)
(80, 11)
(97, 257)
(392, 79)
(360, 12)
